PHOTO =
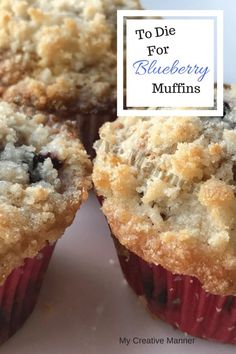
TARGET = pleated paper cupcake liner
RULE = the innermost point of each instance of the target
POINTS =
(180, 300)
(90, 123)
(20, 290)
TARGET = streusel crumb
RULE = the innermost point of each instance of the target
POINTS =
(59, 55)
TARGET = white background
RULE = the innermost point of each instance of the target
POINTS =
(84, 305)
(229, 7)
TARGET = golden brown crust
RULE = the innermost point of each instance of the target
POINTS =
(169, 192)
(59, 55)
(44, 177)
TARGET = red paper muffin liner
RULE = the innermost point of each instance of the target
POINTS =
(180, 300)
(90, 123)
(19, 292)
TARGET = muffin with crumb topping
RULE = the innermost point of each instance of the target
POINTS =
(168, 192)
(60, 57)
(44, 177)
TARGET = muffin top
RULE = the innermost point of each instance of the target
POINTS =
(44, 177)
(169, 185)
(59, 55)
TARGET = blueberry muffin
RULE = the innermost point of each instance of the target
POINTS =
(60, 57)
(44, 177)
(168, 189)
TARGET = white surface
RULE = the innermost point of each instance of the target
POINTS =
(85, 307)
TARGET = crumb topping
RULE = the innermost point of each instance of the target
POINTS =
(44, 177)
(59, 53)
(169, 189)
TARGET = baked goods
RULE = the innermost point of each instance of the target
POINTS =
(60, 57)
(44, 177)
(168, 189)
